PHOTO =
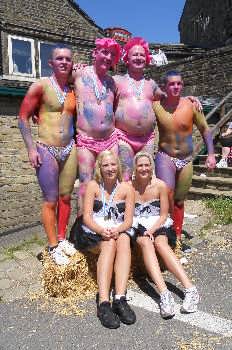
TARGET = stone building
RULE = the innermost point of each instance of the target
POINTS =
(29, 29)
(206, 23)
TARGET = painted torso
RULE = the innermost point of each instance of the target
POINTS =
(94, 119)
(55, 120)
(134, 114)
(175, 128)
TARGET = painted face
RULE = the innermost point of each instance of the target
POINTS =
(109, 168)
(143, 167)
(174, 86)
(137, 57)
(104, 57)
(61, 62)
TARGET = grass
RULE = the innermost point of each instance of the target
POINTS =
(222, 210)
(25, 245)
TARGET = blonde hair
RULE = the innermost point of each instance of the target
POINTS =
(140, 155)
(97, 173)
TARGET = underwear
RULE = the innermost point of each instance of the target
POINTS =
(97, 145)
(179, 163)
(136, 142)
(59, 153)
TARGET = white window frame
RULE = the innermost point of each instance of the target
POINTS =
(11, 68)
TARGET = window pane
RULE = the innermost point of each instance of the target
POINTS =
(21, 56)
(45, 53)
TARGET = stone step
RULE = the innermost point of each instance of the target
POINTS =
(212, 182)
(222, 172)
(199, 193)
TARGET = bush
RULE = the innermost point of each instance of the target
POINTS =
(222, 210)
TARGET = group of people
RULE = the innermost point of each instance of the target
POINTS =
(122, 197)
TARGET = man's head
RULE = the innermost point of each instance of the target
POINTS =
(136, 48)
(172, 83)
(107, 53)
(61, 61)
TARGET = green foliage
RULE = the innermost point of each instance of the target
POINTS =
(25, 245)
(222, 210)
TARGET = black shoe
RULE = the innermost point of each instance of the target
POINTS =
(106, 315)
(123, 310)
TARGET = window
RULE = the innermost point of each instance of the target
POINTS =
(45, 50)
(21, 56)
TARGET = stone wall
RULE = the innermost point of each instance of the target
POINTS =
(206, 75)
(19, 191)
(206, 23)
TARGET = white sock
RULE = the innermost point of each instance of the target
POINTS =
(118, 296)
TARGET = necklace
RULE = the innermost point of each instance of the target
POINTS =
(60, 95)
(107, 206)
(99, 95)
(137, 90)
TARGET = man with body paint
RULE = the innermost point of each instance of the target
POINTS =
(54, 155)
(95, 110)
(135, 119)
(175, 117)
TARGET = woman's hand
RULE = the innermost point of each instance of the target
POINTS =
(149, 234)
(106, 234)
(114, 232)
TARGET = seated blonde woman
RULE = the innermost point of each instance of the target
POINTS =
(153, 232)
(108, 214)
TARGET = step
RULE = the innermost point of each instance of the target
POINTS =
(201, 158)
(212, 182)
(222, 172)
(199, 193)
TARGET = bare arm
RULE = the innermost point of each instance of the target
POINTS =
(28, 107)
(201, 123)
(89, 197)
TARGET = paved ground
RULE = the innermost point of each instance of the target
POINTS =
(23, 325)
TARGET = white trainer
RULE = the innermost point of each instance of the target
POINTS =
(167, 305)
(67, 247)
(222, 164)
(58, 256)
(191, 300)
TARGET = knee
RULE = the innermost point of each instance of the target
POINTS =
(160, 242)
(50, 205)
(179, 203)
(123, 242)
(144, 242)
(65, 199)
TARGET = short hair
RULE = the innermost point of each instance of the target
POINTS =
(59, 47)
(167, 75)
(134, 42)
(97, 173)
(109, 43)
(140, 155)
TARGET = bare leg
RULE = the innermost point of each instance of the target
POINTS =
(122, 263)
(151, 262)
(170, 260)
(105, 268)
(126, 155)
(49, 221)
(86, 161)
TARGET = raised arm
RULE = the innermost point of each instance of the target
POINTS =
(28, 107)
(201, 124)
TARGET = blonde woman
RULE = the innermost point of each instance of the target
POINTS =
(108, 214)
(152, 228)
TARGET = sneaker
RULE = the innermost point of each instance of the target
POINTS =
(67, 247)
(123, 310)
(58, 256)
(191, 300)
(222, 164)
(106, 315)
(167, 305)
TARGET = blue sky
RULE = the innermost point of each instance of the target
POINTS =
(155, 20)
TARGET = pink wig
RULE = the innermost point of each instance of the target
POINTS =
(133, 42)
(109, 43)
